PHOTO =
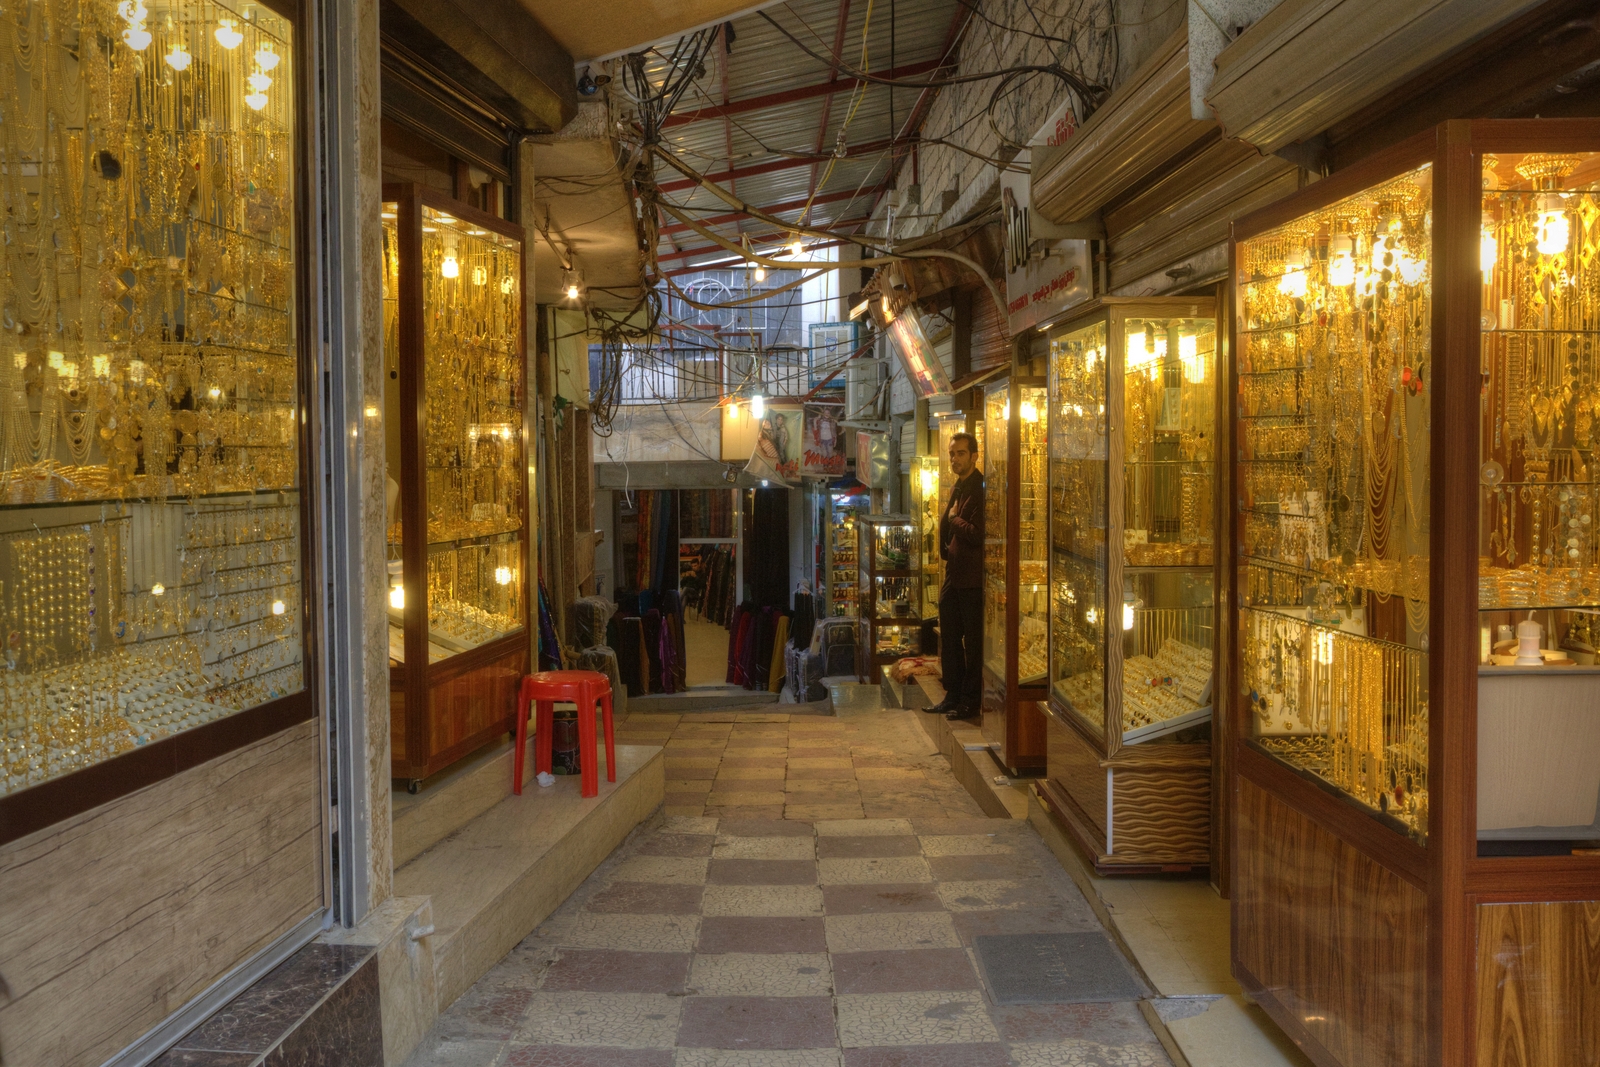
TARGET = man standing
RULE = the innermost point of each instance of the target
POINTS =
(961, 595)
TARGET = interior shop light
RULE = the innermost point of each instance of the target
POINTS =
(256, 100)
(1341, 260)
(930, 482)
(760, 273)
(259, 82)
(1146, 349)
(228, 35)
(179, 58)
(572, 283)
(1322, 651)
(502, 575)
(397, 597)
(450, 266)
(135, 35)
(1194, 368)
(796, 247)
(1293, 282)
(266, 58)
(279, 607)
(1488, 250)
(1551, 229)
(1029, 411)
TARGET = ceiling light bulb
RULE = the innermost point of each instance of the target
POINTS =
(450, 268)
(761, 273)
(1341, 261)
(502, 575)
(257, 101)
(1488, 250)
(228, 35)
(758, 406)
(266, 58)
(179, 58)
(796, 248)
(278, 607)
(158, 590)
(1551, 229)
(259, 82)
(572, 292)
(397, 597)
(136, 38)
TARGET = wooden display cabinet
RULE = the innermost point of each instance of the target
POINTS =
(889, 597)
(1132, 390)
(840, 542)
(1015, 593)
(456, 426)
(1415, 877)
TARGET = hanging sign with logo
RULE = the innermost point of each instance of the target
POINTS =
(1046, 273)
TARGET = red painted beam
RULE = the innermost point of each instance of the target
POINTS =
(770, 209)
(789, 96)
(771, 167)
(680, 271)
(685, 253)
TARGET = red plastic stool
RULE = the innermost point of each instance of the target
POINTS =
(582, 688)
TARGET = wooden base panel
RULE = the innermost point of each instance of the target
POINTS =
(1338, 941)
(1538, 996)
(1012, 720)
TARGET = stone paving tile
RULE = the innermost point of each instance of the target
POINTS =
(988, 1054)
(761, 974)
(879, 899)
(867, 871)
(611, 971)
(871, 933)
(762, 872)
(485, 1014)
(867, 847)
(964, 845)
(841, 774)
(766, 901)
(689, 826)
(1109, 1024)
(612, 1020)
(646, 898)
(1088, 1054)
(887, 774)
(984, 896)
(725, 785)
(731, 846)
(797, 1057)
(823, 809)
(440, 1050)
(937, 1018)
(678, 870)
(663, 843)
(567, 1056)
(720, 933)
(982, 868)
(688, 785)
(766, 762)
(743, 751)
(647, 933)
(749, 773)
(823, 790)
(683, 810)
(744, 798)
(732, 828)
(864, 827)
(757, 1023)
(903, 971)
(971, 924)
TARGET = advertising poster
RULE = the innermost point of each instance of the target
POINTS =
(823, 453)
(779, 441)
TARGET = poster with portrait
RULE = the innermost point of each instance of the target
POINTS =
(779, 434)
(822, 455)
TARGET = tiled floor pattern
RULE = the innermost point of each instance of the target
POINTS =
(864, 762)
(824, 920)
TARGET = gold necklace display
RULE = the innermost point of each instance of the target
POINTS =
(149, 375)
(472, 384)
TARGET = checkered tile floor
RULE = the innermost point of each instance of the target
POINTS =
(769, 928)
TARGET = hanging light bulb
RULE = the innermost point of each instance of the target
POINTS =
(259, 82)
(733, 411)
(257, 101)
(397, 597)
(1030, 411)
(266, 58)
(228, 35)
(572, 283)
(450, 267)
(1194, 368)
(1488, 250)
(1341, 260)
(796, 249)
(279, 607)
(502, 575)
(760, 273)
(758, 406)
(158, 590)
(1551, 229)
(136, 37)
(179, 58)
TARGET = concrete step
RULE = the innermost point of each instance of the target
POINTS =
(964, 746)
(498, 876)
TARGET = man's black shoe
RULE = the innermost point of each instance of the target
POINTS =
(941, 708)
(959, 712)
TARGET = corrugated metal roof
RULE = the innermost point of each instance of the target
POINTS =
(788, 141)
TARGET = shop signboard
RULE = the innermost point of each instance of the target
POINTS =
(822, 455)
(1045, 273)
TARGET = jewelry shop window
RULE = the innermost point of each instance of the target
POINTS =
(150, 381)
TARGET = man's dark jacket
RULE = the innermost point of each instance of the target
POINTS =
(961, 534)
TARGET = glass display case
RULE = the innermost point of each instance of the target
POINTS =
(1015, 600)
(890, 591)
(1132, 450)
(458, 556)
(841, 540)
(1416, 699)
(153, 597)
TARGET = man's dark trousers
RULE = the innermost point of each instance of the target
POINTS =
(961, 646)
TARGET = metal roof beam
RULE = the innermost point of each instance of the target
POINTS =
(686, 253)
(772, 167)
(771, 209)
(789, 96)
